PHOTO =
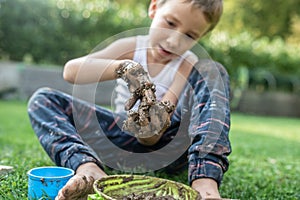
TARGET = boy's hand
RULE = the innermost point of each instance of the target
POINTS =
(138, 83)
(208, 188)
(150, 122)
(152, 118)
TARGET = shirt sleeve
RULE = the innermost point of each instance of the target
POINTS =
(209, 126)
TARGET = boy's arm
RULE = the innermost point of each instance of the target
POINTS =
(180, 80)
(101, 65)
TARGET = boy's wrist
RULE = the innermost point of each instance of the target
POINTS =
(123, 67)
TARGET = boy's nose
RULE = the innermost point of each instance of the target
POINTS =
(174, 39)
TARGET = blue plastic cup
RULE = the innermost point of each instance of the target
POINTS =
(45, 182)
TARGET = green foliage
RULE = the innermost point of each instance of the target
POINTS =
(264, 161)
(261, 18)
(244, 50)
(55, 31)
(29, 28)
(264, 58)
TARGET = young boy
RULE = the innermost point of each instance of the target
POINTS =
(200, 97)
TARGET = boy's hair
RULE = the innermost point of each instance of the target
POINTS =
(212, 10)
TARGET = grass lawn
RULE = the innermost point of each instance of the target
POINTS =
(265, 163)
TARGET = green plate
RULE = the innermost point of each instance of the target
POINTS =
(117, 187)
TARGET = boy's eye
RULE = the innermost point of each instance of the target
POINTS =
(170, 23)
(190, 36)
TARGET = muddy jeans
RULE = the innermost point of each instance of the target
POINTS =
(73, 132)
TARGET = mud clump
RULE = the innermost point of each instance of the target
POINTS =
(147, 196)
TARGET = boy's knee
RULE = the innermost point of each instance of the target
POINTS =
(39, 94)
(42, 91)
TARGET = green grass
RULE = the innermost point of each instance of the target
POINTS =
(265, 163)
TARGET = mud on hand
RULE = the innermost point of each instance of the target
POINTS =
(152, 118)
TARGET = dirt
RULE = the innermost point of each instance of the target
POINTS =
(147, 196)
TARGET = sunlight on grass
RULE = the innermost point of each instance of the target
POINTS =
(285, 128)
(266, 137)
(265, 158)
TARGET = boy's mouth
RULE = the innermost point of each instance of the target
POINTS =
(163, 51)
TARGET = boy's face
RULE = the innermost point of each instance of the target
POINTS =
(176, 26)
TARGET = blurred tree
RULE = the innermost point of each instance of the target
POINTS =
(272, 18)
(54, 31)
(24, 26)
(262, 18)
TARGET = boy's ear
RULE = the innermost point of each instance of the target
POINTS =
(152, 9)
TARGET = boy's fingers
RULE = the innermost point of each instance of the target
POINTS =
(130, 102)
